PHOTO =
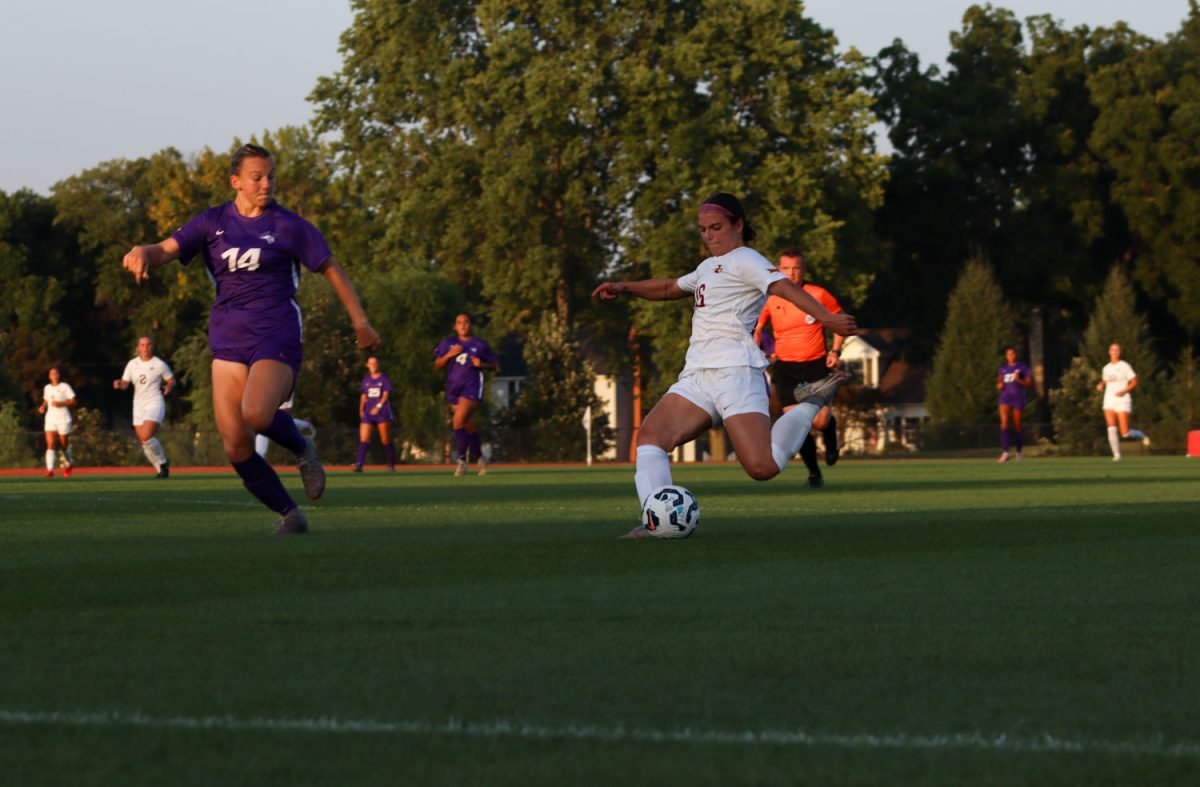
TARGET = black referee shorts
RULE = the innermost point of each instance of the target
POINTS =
(788, 374)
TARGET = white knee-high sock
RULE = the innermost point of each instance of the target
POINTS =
(154, 452)
(653, 470)
(261, 444)
(51, 459)
(1114, 441)
(788, 433)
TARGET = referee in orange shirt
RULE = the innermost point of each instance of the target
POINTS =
(800, 357)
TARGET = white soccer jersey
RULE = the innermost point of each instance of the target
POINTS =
(147, 379)
(57, 393)
(1116, 376)
(728, 292)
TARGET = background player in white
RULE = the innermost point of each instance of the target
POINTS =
(1117, 379)
(152, 381)
(57, 401)
(722, 379)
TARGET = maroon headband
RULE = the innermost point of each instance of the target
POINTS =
(712, 207)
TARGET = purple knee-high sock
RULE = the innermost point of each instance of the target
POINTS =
(475, 445)
(283, 431)
(1018, 439)
(389, 453)
(361, 457)
(460, 444)
(1003, 439)
(263, 482)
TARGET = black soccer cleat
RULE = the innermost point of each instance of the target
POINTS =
(816, 481)
(294, 522)
(164, 470)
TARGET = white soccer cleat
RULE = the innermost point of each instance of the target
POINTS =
(461, 470)
(820, 392)
(1003, 457)
(1019, 458)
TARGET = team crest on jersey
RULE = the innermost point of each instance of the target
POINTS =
(809, 319)
(719, 269)
(269, 237)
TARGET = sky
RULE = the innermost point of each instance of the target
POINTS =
(83, 82)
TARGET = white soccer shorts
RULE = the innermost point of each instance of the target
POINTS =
(58, 421)
(1119, 404)
(724, 393)
(149, 412)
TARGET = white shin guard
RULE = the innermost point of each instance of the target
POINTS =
(788, 433)
(653, 470)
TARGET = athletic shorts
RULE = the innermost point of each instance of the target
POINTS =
(1119, 404)
(788, 374)
(58, 420)
(724, 393)
(149, 412)
(471, 391)
(384, 416)
(1013, 402)
(282, 350)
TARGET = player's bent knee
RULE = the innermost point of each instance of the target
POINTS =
(762, 471)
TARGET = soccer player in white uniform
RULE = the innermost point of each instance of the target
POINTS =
(57, 401)
(722, 379)
(152, 381)
(1117, 379)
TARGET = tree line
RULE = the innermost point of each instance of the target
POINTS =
(504, 157)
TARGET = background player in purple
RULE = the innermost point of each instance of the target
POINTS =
(465, 359)
(1012, 379)
(375, 410)
(252, 250)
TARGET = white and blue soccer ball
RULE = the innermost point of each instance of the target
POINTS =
(671, 512)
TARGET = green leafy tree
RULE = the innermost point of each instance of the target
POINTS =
(560, 387)
(1181, 394)
(15, 450)
(1146, 132)
(1075, 404)
(979, 324)
(525, 150)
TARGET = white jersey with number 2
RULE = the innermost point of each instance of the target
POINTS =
(147, 379)
(728, 293)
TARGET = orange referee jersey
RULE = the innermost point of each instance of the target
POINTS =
(798, 335)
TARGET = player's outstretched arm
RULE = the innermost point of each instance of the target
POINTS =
(647, 289)
(364, 334)
(140, 260)
(840, 323)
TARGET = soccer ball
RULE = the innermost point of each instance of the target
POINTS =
(671, 512)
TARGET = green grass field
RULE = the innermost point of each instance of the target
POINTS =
(915, 622)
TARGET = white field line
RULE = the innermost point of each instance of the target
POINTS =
(1042, 743)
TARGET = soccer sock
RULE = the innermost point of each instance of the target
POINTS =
(1018, 439)
(653, 470)
(360, 458)
(460, 444)
(1004, 440)
(789, 432)
(1114, 441)
(51, 459)
(830, 430)
(263, 482)
(808, 452)
(389, 454)
(473, 442)
(261, 444)
(70, 458)
(153, 451)
(283, 431)
(1134, 434)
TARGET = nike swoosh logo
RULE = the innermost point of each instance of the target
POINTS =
(220, 233)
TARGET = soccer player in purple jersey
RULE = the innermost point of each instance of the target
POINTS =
(465, 359)
(1012, 379)
(375, 410)
(253, 250)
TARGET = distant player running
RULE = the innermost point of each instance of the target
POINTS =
(57, 400)
(465, 358)
(1012, 378)
(1117, 379)
(375, 412)
(722, 378)
(253, 250)
(152, 382)
(800, 357)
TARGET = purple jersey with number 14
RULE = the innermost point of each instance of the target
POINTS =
(463, 378)
(255, 265)
(1013, 393)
